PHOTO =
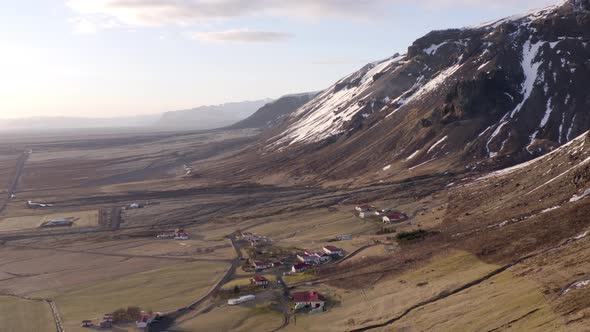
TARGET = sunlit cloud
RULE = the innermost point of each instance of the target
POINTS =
(240, 36)
(93, 13)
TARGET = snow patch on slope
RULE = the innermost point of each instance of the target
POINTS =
(436, 144)
(413, 155)
(326, 114)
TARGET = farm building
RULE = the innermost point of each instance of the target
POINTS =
(260, 281)
(135, 206)
(309, 300)
(259, 265)
(34, 205)
(366, 214)
(249, 236)
(394, 217)
(384, 212)
(59, 222)
(332, 250)
(301, 267)
(143, 321)
(309, 259)
(181, 236)
(322, 256)
(87, 323)
(241, 299)
(178, 234)
(365, 208)
(344, 237)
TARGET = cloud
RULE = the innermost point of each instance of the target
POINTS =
(241, 36)
(184, 12)
(92, 24)
(189, 12)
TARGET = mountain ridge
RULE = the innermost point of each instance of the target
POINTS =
(469, 99)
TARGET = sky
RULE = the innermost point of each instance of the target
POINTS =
(108, 58)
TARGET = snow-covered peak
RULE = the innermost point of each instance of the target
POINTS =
(528, 16)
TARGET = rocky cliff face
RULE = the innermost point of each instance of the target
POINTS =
(482, 96)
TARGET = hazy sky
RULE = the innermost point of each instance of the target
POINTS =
(125, 57)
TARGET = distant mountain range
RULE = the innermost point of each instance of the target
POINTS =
(43, 123)
(208, 117)
(199, 118)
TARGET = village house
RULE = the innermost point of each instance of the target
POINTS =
(143, 321)
(334, 251)
(309, 300)
(249, 236)
(87, 323)
(301, 267)
(394, 217)
(178, 234)
(309, 259)
(135, 206)
(181, 236)
(259, 265)
(384, 212)
(365, 214)
(365, 208)
(260, 281)
(322, 256)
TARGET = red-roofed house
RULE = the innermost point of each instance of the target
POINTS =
(332, 250)
(394, 217)
(310, 299)
(300, 267)
(143, 321)
(259, 281)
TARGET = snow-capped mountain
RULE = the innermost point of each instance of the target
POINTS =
(268, 115)
(497, 93)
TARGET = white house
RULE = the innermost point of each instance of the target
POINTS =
(259, 265)
(310, 299)
(332, 250)
(309, 259)
(322, 256)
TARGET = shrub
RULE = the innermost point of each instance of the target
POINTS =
(413, 235)
(131, 314)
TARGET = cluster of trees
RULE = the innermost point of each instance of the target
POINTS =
(413, 235)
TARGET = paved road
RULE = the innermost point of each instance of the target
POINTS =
(20, 164)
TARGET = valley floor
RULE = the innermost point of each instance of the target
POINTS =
(467, 274)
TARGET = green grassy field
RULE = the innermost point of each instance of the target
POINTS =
(25, 315)
(158, 290)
